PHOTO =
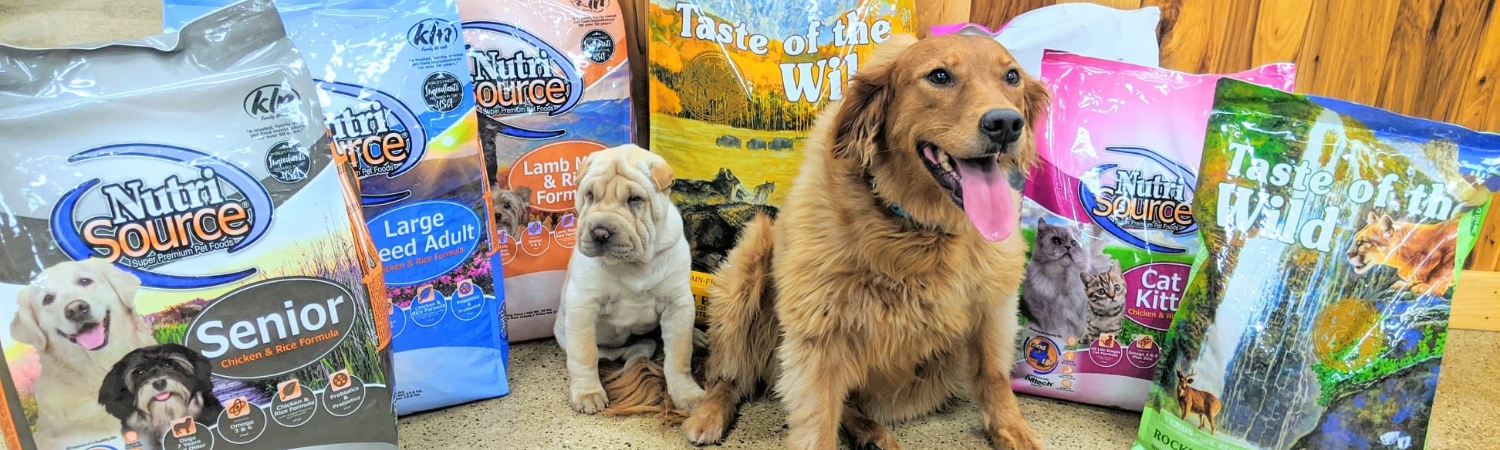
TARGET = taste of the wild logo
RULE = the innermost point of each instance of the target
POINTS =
(1141, 200)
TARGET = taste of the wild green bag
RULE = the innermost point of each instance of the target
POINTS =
(1316, 312)
(735, 85)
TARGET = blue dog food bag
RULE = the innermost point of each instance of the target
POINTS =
(394, 84)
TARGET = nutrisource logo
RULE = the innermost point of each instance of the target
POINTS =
(195, 204)
(1155, 196)
(516, 73)
(385, 136)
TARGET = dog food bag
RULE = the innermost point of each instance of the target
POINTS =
(552, 85)
(395, 90)
(1316, 312)
(188, 264)
(1109, 214)
(735, 86)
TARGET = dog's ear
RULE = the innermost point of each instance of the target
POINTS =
(25, 327)
(660, 173)
(860, 123)
(583, 168)
(114, 393)
(1038, 101)
(525, 193)
(124, 283)
(203, 383)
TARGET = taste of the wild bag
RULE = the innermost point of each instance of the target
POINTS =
(1316, 312)
(183, 261)
(735, 85)
(551, 85)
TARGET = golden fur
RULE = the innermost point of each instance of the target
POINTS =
(856, 315)
(1422, 255)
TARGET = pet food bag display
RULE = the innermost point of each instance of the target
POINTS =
(735, 86)
(1109, 215)
(1315, 314)
(184, 262)
(552, 85)
(395, 92)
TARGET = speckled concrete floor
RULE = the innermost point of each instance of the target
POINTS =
(536, 416)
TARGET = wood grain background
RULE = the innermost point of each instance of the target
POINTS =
(1437, 59)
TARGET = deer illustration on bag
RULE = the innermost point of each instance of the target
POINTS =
(1205, 405)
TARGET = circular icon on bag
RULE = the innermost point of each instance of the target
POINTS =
(442, 91)
(599, 46)
(1041, 354)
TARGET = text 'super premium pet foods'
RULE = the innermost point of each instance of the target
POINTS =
(1316, 312)
(1108, 213)
(184, 261)
(395, 93)
(735, 86)
(551, 85)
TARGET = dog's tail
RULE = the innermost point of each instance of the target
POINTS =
(639, 388)
(742, 326)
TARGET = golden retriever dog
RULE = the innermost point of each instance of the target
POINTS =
(629, 275)
(80, 316)
(888, 282)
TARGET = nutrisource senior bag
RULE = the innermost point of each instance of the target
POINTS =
(735, 85)
(1316, 312)
(184, 261)
(394, 87)
(1108, 212)
(551, 85)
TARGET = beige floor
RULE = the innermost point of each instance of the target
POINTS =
(535, 416)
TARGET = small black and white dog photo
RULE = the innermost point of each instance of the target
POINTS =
(152, 387)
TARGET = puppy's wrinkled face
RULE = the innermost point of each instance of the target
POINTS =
(949, 117)
(73, 305)
(621, 201)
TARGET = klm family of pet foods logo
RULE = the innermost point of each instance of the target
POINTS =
(433, 34)
(270, 101)
(1141, 200)
(385, 137)
(205, 205)
(535, 77)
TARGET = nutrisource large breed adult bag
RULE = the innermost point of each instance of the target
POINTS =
(184, 262)
(735, 86)
(1316, 312)
(552, 85)
(1108, 213)
(394, 86)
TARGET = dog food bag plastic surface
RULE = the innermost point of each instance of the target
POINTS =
(552, 85)
(1108, 213)
(395, 92)
(184, 261)
(1315, 314)
(735, 86)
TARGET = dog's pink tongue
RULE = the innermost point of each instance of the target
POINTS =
(162, 396)
(987, 200)
(93, 338)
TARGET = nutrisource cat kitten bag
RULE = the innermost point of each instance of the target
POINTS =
(184, 262)
(1109, 215)
(1315, 314)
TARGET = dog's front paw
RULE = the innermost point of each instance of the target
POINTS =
(706, 425)
(1015, 435)
(588, 401)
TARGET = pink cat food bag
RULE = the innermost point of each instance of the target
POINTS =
(551, 85)
(1108, 212)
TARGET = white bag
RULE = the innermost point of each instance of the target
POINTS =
(1080, 28)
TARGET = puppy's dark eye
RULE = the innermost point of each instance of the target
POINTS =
(636, 200)
(940, 77)
(85, 281)
(506, 206)
(590, 197)
(47, 299)
(1013, 77)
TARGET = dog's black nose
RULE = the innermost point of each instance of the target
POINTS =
(1002, 125)
(601, 234)
(159, 384)
(77, 311)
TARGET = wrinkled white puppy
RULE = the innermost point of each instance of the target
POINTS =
(629, 274)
